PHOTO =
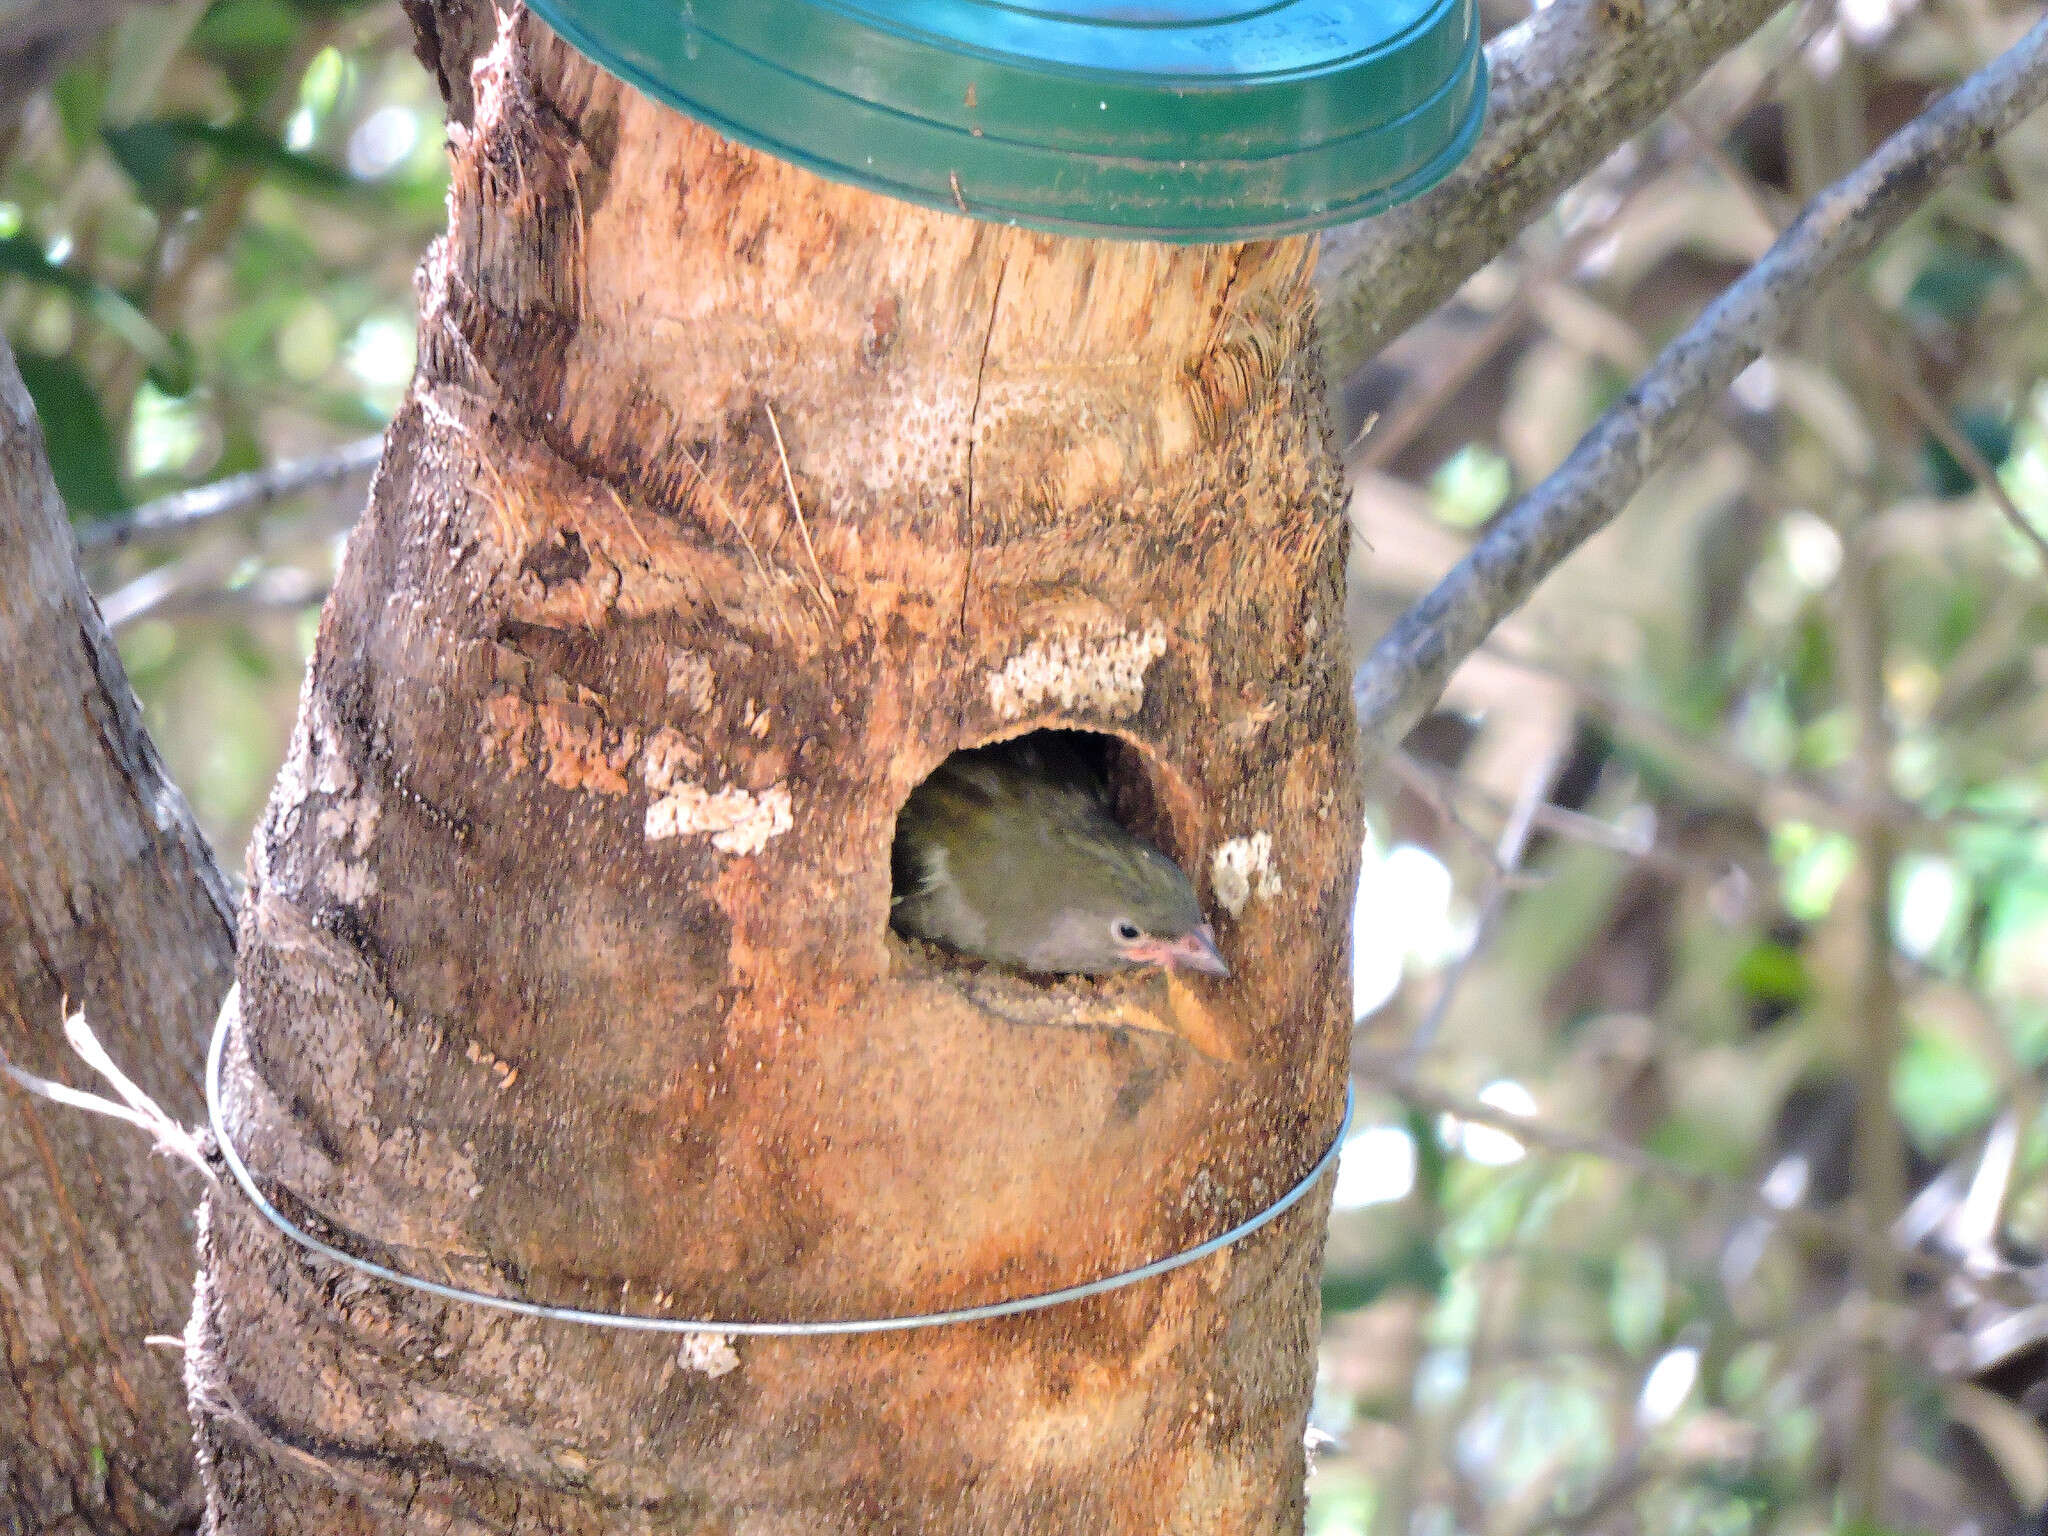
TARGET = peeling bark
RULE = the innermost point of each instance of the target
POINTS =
(726, 504)
(109, 901)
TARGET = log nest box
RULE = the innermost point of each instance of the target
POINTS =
(729, 500)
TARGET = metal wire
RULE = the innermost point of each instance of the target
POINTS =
(643, 1324)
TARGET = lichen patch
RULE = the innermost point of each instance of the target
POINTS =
(737, 821)
(690, 679)
(1098, 669)
(348, 882)
(1242, 869)
(669, 756)
(333, 774)
(315, 762)
(710, 1353)
(351, 819)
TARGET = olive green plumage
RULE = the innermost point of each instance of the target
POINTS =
(1010, 853)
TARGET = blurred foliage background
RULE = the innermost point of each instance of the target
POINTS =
(1729, 847)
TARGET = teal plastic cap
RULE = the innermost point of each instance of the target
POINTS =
(1181, 120)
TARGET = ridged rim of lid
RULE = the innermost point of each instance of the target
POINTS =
(1202, 120)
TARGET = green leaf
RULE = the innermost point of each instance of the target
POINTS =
(83, 455)
(80, 96)
(1432, 1159)
(1814, 872)
(176, 373)
(1417, 1267)
(240, 144)
(1774, 973)
(1954, 284)
(158, 153)
(1986, 431)
(1637, 1300)
(145, 42)
(249, 26)
(154, 160)
(21, 256)
(247, 653)
(2026, 1026)
(1700, 1142)
(1810, 665)
(1470, 486)
(1941, 1087)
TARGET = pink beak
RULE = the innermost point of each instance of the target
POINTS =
(1193, 951)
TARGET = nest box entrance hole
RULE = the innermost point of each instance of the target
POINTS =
(1140, 792)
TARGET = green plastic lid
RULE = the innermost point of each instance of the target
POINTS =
(1154, 119)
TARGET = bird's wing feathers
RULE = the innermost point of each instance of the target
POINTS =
(960, 871)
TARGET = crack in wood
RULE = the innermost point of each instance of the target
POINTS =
(973, 427)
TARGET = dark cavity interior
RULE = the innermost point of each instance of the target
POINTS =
(1122, 769)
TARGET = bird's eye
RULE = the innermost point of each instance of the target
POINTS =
(1127, 932)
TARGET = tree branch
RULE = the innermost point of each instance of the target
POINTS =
(1406, 672)
(111, 902)
(36, 41)
(1880, 1144)
(1898, 376)
(1867, 328)
(1569, 86)
(1843, 1227)
(183, 511)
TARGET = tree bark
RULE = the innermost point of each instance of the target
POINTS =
(726, 504)
(110, 901)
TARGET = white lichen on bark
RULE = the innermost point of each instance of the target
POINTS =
(348, 882)
(737, 820)
(1099, 670)
(351, 819)
(1243, 869)
(710, 1353)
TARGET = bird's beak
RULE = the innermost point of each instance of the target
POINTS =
(1196, 951)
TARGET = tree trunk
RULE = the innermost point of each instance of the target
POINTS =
(726, 504)
(111, 903)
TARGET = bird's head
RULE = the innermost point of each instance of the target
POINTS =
(1127, 904)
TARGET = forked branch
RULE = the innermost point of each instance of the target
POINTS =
(1407, 671)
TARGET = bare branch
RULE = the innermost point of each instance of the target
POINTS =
(183, 511)
(1900, 379)
(175, 592)
(1843, 1227)
(1406, 672)
(1437, 788)
(1569, 86)
(1514, 842)
(113, 900)
(1441, 790)
(1880, 1153)
(1883, 355)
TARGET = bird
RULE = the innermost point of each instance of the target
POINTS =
(1010, 853)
